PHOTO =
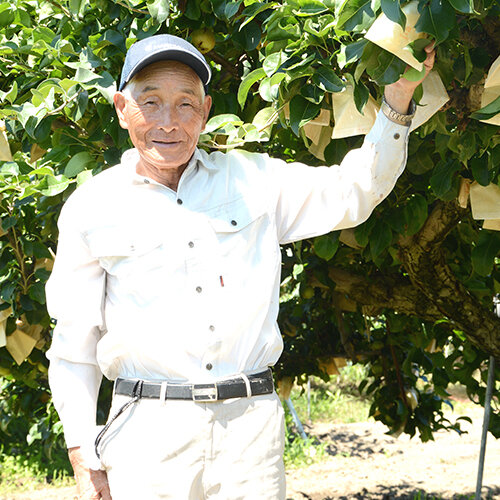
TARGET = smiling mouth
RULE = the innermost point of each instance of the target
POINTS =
(167, 143)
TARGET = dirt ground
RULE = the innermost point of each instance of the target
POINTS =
(364, 463)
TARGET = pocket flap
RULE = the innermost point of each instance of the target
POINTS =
(235, 215)
(121, 242)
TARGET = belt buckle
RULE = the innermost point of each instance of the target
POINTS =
(204, 392)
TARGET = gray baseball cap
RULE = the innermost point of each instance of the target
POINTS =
(163, 48)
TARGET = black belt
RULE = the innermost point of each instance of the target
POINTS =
(259, 383)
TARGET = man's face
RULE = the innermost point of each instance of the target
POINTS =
(165, 110)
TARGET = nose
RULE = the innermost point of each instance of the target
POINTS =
(168, 119)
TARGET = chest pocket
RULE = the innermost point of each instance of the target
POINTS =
(124, 252)
(243, 230)
(236, 215)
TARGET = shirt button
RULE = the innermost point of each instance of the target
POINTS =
(234, 223)
(198, 289)
(179, 201)
(191, 244)
(396, 136)
(146, 181)
(209, 366)
(211, 328)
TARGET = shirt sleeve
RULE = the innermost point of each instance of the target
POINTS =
(316, 200)
(75, 295)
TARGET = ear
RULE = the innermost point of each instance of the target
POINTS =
(120, 102)
(207, 105)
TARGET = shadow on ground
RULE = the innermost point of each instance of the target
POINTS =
(401, 492)
(360, 445)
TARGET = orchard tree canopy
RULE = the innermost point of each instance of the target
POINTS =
(409, 292)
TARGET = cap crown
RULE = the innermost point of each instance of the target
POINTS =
(163, 48)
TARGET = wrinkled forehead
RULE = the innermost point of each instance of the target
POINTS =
(164, 74)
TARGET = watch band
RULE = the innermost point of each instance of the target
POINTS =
(396, 117)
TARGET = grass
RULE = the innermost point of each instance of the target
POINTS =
(337, 401)
(18, 474)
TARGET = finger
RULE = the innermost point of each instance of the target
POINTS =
(429, 48)
(105, 493)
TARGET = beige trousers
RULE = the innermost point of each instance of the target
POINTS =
(182, 450)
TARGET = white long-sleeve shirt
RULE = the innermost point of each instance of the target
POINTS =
(156, 284)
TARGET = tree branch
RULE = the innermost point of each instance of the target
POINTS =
(425, 261)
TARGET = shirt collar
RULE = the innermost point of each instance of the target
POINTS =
(131, 157)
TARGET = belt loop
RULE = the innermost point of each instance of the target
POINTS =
(247, 384)
(163, 393)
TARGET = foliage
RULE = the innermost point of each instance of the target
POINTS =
(412, 304)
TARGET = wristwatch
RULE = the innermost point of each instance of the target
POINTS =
(396, 117)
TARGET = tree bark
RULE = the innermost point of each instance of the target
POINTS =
(425, 261)
(430, 291)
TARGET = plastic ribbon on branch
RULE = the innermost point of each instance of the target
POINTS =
(492, 90)
(5, 154)
(23, 339)
(434, 97)
(4, 315)
(485, 205)
(348, 120)
(391, 36)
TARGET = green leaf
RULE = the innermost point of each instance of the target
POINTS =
(301, 112)
(272, 62)
(489, 111)
(264, 121)
(55, 185)
(247, 82)
(392, 9)
(355, 15)
(361, 95)
(479, 168)
(389, 68)
(420, 163)
(326, 246)
(413, 75)
(159, 10)
(8, 222)
(437, 18)
(464, 6)
(327, 79)
(312, 93)
(380, 238)
(220, 121)
(363, 232)
(310, 8)
(37, 292)
(253, 10)
(415, 214)
(442, 180)
(77, 163)
(11, 95)
(351, 52)
(74, 7)
(484, 253)
(269, 87)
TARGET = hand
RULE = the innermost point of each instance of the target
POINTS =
(399, 94)
(91, 484)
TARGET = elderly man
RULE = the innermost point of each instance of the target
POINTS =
(167, 281)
